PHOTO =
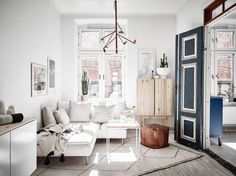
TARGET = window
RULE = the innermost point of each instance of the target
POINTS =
(105, 70)
(224, 63)
(223, 52)
(224, 39)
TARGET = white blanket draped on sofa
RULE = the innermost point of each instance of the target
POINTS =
(55, 137)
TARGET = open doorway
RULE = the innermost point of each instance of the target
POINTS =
(220, 85)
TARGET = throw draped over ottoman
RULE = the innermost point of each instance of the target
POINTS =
(155, 136)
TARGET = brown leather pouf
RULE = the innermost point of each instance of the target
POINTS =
(155, 136)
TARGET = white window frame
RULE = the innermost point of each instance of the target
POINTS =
(214, 51)
(224, 30)
(99, 51)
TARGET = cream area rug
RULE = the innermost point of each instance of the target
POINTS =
(122, 160)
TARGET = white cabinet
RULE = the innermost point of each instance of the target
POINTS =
(5, 154)
(18, 148)
(23, 150)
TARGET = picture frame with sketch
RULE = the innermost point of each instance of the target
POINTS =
(51, 74)
(38, 80)
(146, 62)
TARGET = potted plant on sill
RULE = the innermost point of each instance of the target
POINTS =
(163, 70)
(84, 84)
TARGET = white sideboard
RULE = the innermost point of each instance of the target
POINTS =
(5, 154)
(18, 148)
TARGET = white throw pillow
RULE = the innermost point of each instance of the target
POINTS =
(103, 113)
(64, 105)
(61, 116)
(48, 117)
(118, 110)
(80, 112)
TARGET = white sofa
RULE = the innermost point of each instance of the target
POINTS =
(82, 144)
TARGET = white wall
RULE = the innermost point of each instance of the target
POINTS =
(150, 31)
(190, 15)
(30, 31)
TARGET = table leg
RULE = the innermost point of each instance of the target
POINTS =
(108, 146)
(138, 142)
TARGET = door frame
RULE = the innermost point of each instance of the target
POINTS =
(207, 76)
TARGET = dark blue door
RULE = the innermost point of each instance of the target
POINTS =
(189, 88)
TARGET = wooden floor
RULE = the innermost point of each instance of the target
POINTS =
(225, 151)
(204, 166)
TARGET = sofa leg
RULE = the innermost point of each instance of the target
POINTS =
(122, 142)
(86, 160)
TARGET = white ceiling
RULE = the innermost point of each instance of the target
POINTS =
(125, 7)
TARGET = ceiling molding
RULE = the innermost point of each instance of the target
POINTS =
(126, 7)
(56, 6)
(120, 15)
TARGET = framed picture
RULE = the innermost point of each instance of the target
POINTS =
(146, 62)
(38, 80)
(51, 74)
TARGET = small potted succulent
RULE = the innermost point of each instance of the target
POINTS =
(85, 85)
(163, 70)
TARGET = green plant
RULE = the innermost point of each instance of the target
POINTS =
(230, 92)
(85, 83)
(164, 63)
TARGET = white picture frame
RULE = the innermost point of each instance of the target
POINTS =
(38, 80)
(51, 74)
(146, 62)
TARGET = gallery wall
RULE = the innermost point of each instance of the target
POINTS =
(30, 31)
(156, 32)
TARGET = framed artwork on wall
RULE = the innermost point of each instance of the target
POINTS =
(51, 74)
(146, 62)
(38, 80)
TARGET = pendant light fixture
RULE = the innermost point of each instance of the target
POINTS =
(118, 33)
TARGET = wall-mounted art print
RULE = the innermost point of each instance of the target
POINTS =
(51, 74)
(146, 62)
(38, 80)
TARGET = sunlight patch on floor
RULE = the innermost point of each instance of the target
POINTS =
(231, 145)
(93, 173)
(96, 158)
(123, 157)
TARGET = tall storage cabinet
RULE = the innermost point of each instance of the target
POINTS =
(154, 98)
(163, 97)
(145, 97)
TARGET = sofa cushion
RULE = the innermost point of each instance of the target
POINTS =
(48, 117)
(118, 109)
(80, 112)
(87, 135)
(103, 113)
(61, 116)
(64, 105)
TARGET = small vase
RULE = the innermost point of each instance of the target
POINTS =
(163, 72)
(84, 97)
